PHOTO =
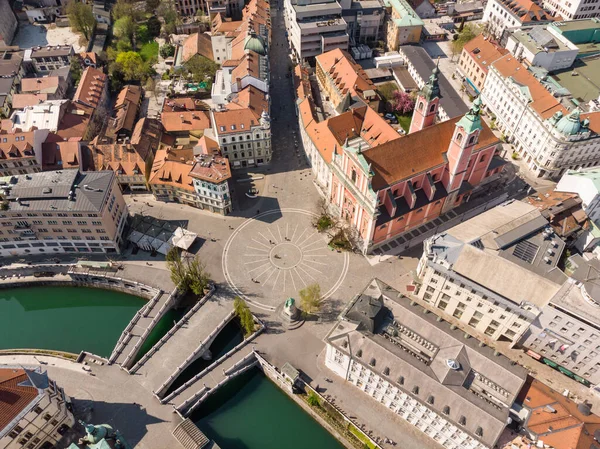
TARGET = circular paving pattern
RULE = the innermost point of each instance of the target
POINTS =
(272, 256)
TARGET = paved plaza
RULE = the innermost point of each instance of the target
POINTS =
(275, 254)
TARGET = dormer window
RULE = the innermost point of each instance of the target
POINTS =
(222, 128)
(232, 127)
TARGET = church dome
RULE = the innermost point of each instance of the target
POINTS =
(569, 125)
(256, 44)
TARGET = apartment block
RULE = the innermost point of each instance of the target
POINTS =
(549, 131)
(315, 27)
(211, 175)
(61, 211)
(35, 411)
(449, 387)
(572, 10)
(566, 334)
(402, 24)
(503, 14)
(475, 60)
(493, 273)
(46, 59)
(21, 152)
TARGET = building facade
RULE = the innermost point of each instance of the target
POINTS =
(493, 273)
(586, 184)
(549, 137)
(46, 59)
(475, 60)
(61, 211)
(8, 23)
(566, 334)
(503, 14)
(456, 392)
(578, 9)
(21, 152)
(243, 138)
(37, 414)
(315, 27)
(402, 25)
(211, 175)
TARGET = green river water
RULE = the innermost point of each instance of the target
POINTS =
(248, 413)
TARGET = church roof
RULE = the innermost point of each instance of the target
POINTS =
(417, 152)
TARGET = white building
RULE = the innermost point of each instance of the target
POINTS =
(586, 184)
(503, 14)
(45, 115)
(549, 137)
(243, 135)
(34, 410)
(211, 175)
(542, 46)
(570, 10)
(452, 389)
(315, 26)
(494, 273)
(566, 335)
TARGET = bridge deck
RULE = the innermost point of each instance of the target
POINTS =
(185, 341)
(213, 377)
(132, 340)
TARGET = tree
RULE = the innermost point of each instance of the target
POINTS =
(131, 65)
(197, 277)
(124, 8)
(75, 70)
(244, 315)
(202, 69)
(167, 50)
(154, 26)
(468, 33)
(402, 103)
(176, 266)
(124, 28)
(187, 274)
(310, 298)
(167, 11)
(81, 18)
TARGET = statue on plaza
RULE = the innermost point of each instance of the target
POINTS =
(290, 309)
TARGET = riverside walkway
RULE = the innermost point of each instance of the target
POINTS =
(140, 326)
(186, 342)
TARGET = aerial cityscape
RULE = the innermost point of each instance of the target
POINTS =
(325, 224)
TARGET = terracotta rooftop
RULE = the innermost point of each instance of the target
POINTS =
(74, 124)
(172, 168)
(14, 398)
(221, 25)
(21, 101)
(183, 104)
(235, 121)
(483, 52)
(213, 169)
(90, 55)
(563, 211)
(206, 145)
(61, 155)
(17, 145)
(45, 85)
(125, 110)
(252, 98)
(347, 75)
(249, 65)
(417, 152)
(543, 102)
(120, 158)
(527, 11)
(90, 87)
(146, 136)
(556, 419)
(185, 121)
(197, 44)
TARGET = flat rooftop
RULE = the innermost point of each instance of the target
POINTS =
(61, 190)
(577, 25)
(538, 39)
(584, 86)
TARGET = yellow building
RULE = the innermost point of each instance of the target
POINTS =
(403, 25)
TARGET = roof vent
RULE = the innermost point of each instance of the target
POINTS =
(453, 364)
(47, 190)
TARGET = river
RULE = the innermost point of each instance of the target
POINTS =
(68, 319)
(250, 412)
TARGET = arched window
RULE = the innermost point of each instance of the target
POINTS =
(432, 108)
(459, 137)
(233, 139)
(420, 108)
(353, 175)
(472, 140)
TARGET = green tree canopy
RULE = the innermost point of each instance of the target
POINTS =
(244, 315)
(124, 28)
(310, 298)
(468, 33)
(131, 65)
(202, 69)
(154, 26)
(167, 50)
(125, 8)
(81, 18)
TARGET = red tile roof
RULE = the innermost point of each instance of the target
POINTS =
(555, 419)
(90, 87)
(213, 169)
(417, 152)
(47, 85)
(172, 168)
(544, 103)
(61, 155)
(13, 397)
(18, 145)
(483, 52)
(185, 121)
(21, 101)
(347, 75)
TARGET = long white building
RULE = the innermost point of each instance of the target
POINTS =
(448, 386)
(547, 135)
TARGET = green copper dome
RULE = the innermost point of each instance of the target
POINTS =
(569, 125)
(256, 44)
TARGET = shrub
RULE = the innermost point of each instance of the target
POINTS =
(324, 223)
(313, 399)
